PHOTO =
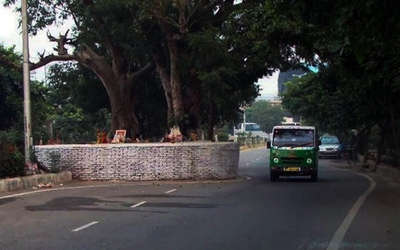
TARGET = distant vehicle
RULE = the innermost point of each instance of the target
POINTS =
(250, 128)
(293, 152)
(330, 147)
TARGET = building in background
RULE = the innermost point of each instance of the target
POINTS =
(286, 77)
(275, 101)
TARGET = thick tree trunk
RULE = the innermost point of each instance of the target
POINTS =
(211, 121)
(119, 86)
(122, 102)
(192, 105)
(381, 146)
(166, 84)
(175, 82)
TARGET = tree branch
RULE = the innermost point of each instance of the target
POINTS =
(52, 58)
(141, 71)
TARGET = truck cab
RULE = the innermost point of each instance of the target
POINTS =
(293, 152)
(250, 128)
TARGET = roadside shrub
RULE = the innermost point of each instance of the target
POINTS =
(12, 162)
(55, 160)
(223, 137)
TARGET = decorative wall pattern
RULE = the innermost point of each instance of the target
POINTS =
(152, 161)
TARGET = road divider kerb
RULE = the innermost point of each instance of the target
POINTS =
(85, 226)
(340, 233)
(20, 183)
(139, 204)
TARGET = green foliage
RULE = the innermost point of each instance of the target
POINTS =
(223, 136)
(10, 91)
(355, 45)
(219, 76)
(78, 104)
(55, 160)
(12, 162)
(265, 114)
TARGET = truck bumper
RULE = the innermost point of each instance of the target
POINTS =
(283, 171)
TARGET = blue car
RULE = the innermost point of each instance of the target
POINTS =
(330, 147)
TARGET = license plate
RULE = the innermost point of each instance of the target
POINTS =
(292, 169)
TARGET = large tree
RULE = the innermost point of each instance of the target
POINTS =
(172, 23)
(357, 45)
(104, 39)
(207, 57)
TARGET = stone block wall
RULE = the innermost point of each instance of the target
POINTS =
(152, 161)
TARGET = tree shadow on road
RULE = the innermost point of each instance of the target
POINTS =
(85, 204)
(302, 180)
(158, 196)
(179, 205)
(6, 200)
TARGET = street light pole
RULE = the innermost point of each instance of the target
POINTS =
(26, 75)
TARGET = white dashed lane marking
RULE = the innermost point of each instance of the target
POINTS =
(170, 191)
(138, 204)
(85, 226)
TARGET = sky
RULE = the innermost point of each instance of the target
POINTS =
(10, 35)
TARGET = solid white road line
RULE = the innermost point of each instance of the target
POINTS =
(139, 204)
(170, 191)
(85, 226)
(344, 227)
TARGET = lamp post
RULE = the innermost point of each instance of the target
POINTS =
(26, 75)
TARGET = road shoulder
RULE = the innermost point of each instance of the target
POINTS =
(380, 214)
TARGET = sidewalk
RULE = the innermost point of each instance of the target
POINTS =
(383, 173)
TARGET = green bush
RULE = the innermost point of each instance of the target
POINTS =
(223, 137)
(12, 162)
(55, 160)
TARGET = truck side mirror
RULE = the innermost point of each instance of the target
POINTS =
(319, 143)
(268, 144)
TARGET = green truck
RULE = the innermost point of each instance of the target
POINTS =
(293, 152)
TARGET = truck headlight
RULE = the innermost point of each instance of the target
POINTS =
(309, 160)
(276, 160)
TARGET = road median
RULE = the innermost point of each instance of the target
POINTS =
(34, 181)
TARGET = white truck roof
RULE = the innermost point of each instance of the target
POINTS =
(294, 127)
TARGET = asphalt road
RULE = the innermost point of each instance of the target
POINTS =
(252, 213)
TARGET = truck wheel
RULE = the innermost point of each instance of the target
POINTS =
(314, 177)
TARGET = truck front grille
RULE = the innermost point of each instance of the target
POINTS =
(288, 160)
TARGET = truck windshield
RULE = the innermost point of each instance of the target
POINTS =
(252, 127)
(293, 138)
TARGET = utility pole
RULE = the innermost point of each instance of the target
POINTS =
(243, 109)
(27, 92)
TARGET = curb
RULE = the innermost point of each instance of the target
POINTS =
(14, 184)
